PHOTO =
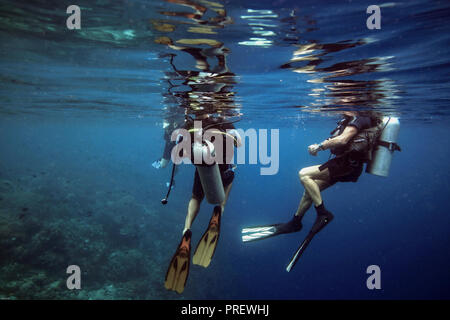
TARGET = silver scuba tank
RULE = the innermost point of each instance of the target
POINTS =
(209, 173)
(382, 155)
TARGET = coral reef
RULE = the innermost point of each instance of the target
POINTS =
(47, 224)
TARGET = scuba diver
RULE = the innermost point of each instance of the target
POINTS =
(215, 182)
(357, 139)
(206, 92)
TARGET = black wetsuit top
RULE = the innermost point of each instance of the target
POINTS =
(221, 125)
(226, 170)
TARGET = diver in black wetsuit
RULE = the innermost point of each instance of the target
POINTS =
(210, 99)
(178, 270)
(347, 165)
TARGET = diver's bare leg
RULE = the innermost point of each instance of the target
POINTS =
(304, 205)
(309, 177)
(227, 193)
(306, 201)
(193, 209)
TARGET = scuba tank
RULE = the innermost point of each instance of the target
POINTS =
(385, 147)
(209, 173)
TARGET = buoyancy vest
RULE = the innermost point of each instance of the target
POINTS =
(361, 145)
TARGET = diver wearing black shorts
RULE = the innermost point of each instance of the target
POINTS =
(346, 166)
(226, 173)
(206, 176)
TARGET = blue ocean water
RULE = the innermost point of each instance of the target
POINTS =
(82, 115)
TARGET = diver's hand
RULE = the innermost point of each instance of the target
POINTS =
(313, 149)
(161, 163)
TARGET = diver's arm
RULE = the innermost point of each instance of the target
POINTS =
(237, 137)
(341, 140)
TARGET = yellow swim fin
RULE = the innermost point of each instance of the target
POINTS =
(208, 243)
(178, 271)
